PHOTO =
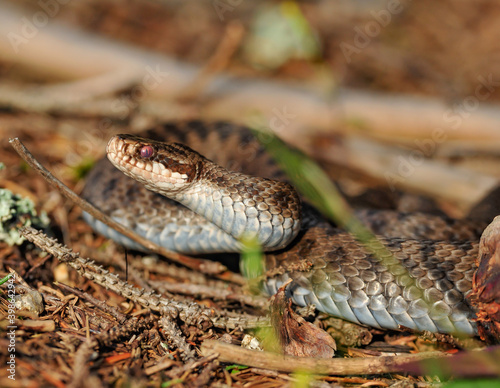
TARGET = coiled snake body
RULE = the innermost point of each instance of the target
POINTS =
(423, 286)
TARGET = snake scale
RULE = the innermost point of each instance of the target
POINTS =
(422, 286)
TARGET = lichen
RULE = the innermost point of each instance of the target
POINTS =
(16, 211)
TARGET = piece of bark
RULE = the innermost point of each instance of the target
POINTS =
(297, 336)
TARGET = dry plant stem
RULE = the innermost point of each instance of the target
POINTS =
(175, 336)
(162, 364)
(190, 313)
(204, 291)
(155, 265)
(204, 266)
(18, 278)
(161, 267)
(377, 382)
(336, 366)
(92, 87)
(121, 318)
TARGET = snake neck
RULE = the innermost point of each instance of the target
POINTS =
(243, 206)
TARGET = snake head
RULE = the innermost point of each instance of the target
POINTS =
(161, 167)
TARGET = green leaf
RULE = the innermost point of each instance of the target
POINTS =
(252, 259)
(83, 168)
(303, 379)
(5, 279)
(314, 184)
(169, 383)
(236, 368)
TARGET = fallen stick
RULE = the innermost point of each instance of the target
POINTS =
(334, 366)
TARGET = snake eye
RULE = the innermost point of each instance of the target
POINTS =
(147, 151)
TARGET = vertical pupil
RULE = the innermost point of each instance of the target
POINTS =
(147, 151)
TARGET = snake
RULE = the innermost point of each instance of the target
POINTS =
(200, 188)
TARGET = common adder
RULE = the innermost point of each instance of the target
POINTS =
(423, 286)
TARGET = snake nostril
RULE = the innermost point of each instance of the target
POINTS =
(147, 151)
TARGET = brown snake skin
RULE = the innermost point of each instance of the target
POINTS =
(422, 287)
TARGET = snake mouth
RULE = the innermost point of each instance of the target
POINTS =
(124, 152)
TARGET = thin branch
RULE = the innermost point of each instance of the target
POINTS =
(336, 366)
(204, 266)
(101, 304)
(190, 366)
(205, 291)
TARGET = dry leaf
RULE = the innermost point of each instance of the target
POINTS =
(297, 336)
(486, 284)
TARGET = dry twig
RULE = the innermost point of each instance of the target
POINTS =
(207, 291)
(337, 366)
(121, 318)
